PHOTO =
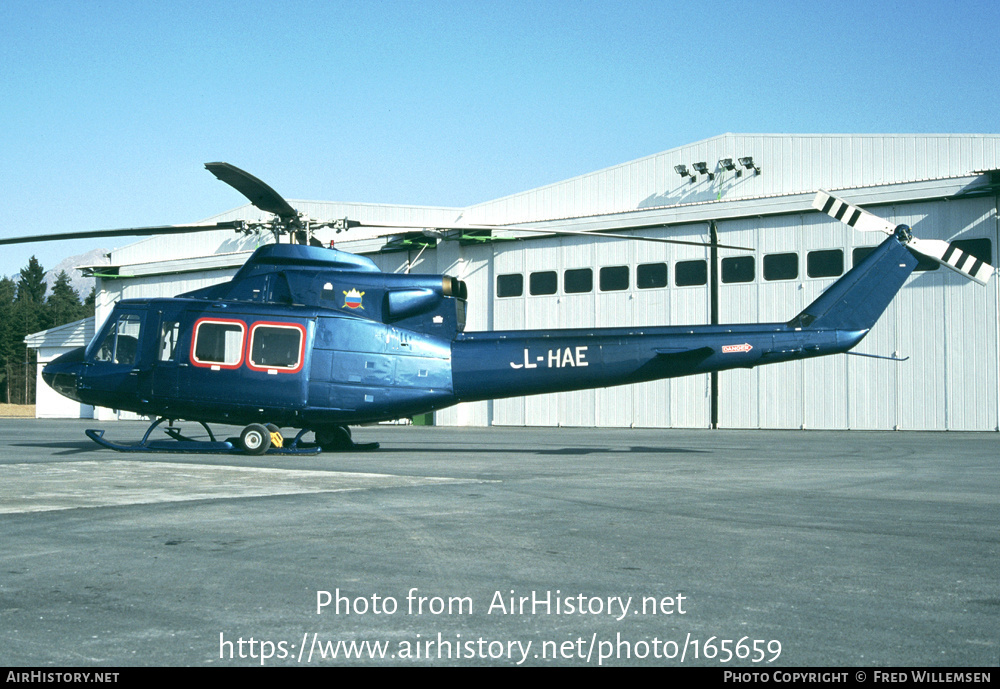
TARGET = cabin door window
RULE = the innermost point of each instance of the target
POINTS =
(218, 344)
(276, 347)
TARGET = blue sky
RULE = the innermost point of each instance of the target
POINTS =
(109, 109)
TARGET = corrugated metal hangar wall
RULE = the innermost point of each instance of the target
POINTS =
(944, 186)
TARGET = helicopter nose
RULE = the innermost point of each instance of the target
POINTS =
(61, 373)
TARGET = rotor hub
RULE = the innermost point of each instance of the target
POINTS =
(903, 233)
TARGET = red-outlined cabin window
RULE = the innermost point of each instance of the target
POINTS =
(276, 347)
(218, 343)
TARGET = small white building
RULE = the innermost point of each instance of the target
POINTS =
(50, 344)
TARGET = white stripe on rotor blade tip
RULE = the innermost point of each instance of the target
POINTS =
(859, 219)
(951, 256)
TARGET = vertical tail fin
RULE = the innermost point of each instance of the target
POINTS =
(857, 300)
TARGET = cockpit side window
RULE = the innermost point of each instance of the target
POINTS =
(121, 344)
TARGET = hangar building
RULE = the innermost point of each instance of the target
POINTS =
(946, 327)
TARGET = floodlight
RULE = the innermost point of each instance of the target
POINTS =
(682, 170)
(702, 169)
(748, 164)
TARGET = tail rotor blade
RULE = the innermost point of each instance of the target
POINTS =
(859, 219)
(952, 257)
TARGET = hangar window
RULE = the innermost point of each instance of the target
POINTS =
(578, 281)
(546, 282)
(276, 347)
(614, 278)
(738, 269)
(690, 273)
(825, 264)
(781, 266)
(861, 253)
(511, 285)
(218, 343)
(978, 248)
(651, 275)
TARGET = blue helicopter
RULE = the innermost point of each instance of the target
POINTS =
(318, 339)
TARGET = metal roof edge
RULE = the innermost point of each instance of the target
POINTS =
(177, 265)
(75, 334)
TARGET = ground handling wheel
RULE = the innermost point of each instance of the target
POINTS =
(255, 439)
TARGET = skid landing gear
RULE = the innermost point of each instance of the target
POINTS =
(255, 439)
(338, 439)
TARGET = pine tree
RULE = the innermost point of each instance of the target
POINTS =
(8, 289)
(28, 314)
(64, 303)
(26, 318)
(31, 286)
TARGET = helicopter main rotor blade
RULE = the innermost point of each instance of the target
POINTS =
(238, 225)
(518, 228)
(941, 251)
(612, 235)
(257, 192)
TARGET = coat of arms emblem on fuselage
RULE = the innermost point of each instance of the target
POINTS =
(352, 299)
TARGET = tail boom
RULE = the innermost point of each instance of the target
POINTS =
(494, 365)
